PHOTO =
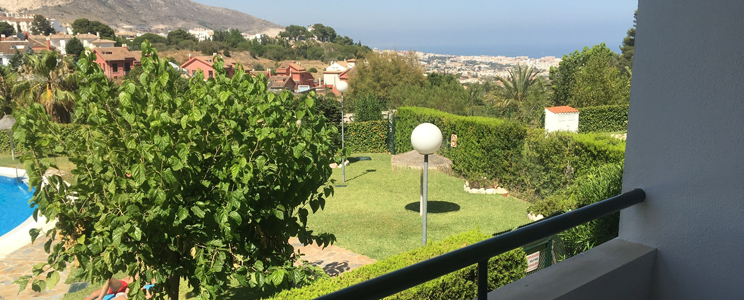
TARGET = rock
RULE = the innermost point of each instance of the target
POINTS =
(481, 191)
(490, 191)
(501, 191)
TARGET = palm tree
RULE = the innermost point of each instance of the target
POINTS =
(517, 85)
(8, 79)
(50, 81)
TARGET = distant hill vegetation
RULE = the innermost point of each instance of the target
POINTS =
(160, 15)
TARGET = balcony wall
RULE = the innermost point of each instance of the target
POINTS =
(685, 147)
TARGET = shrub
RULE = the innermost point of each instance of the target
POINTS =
(485, 146)
(369, 137)
(368, 108)
(605, 118)
(66, 130)
(552, 161)
(502, 269)
(313, 70)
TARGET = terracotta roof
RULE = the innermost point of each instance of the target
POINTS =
(87, 36)
(280, 81)
(103, 41)
(347, 73)
(117, 53)
(343, 64)
(10, 47)
(562, 109)
(290, 65)
(208, 59)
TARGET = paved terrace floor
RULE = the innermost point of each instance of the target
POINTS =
(334, 260)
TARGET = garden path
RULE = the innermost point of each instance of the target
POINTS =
(333, 260)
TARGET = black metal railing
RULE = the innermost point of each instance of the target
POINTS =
(481, 252)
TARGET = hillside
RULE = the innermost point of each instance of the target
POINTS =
(160, 15)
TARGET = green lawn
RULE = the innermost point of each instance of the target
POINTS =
(62, 162)
(369, 216)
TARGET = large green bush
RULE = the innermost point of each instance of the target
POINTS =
(502, 269)
(598, 184)
(606, 118)
(486, 147)
(368, 137)
(550, 162)
(66, 130)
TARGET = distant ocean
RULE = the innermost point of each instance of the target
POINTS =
(475, 50)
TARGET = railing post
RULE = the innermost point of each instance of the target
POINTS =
(482, 280)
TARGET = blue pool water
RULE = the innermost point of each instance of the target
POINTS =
(14, 207)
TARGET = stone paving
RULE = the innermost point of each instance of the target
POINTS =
(19, 263)
(334, 261)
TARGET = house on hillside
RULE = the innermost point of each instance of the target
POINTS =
(301, 77)
(39, 43)
(116, 62)
(332, 73)
(10, 48)
(281, 82)
(202, 34)
(205, 64)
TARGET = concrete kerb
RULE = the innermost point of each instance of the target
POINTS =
(19, 237)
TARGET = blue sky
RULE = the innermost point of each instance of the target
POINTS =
(518, 27)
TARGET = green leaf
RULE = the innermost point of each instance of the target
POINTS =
(236, 217)
(138, 173)
(52, 279)
(118, 232)
(183, 213)
(197, 211)
(34, 233)
(277, 277)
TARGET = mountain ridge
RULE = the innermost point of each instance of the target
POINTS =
(159, 15)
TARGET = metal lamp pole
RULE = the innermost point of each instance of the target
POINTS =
(426, 139)
(342, 87)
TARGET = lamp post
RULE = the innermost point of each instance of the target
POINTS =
(426, 139)
(342, 87)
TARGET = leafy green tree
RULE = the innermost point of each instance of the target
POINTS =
(598, 82)
(8, 79)
(179, 35)
(82, 26)
(234, 38)
(206, 186)
(563, 78)
(151, 37)
(628, 47)
(384, 71)
(345, 40)
(17, 60)
(74, 47)
(40, 25)
(448, 97)
(368, 108)
(259, 67)
(220, 35)
(7, 29)
(313, 70)
(294, 32)
(50, 81)
(324, 33)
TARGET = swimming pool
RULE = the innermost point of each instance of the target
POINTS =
(14, 207)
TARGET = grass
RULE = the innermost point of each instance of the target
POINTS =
(370, 215)
(62, 162)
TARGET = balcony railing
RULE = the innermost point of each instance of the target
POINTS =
(481, 252)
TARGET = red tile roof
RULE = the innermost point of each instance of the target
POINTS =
(562, 109)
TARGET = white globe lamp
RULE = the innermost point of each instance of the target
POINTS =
(342, 87)
(426, 139)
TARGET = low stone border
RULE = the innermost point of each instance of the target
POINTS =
(491, 191)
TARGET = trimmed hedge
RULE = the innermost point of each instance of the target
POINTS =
(486, 147)
(502, 269)
(552, 161)
(67, 130)
(607, 118)
(366, 137)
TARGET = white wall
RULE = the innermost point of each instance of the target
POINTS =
(685, 147)
(561, 122)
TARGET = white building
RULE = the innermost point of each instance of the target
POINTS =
(202, 34)
(8, 49)
(332, 72)
(561, 118)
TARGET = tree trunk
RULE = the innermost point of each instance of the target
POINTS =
(172, 287)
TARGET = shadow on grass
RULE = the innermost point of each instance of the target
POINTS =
(354, 159)
(360, 175)
(434, 207)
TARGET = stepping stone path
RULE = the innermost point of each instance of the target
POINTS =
(333, 260)
(19, 263)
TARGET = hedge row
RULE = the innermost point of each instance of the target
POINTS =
(606, 118)
(67, 130)
(486, 147)
(366, 137)
(550, 162)
(502, 269)
(532, 162)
